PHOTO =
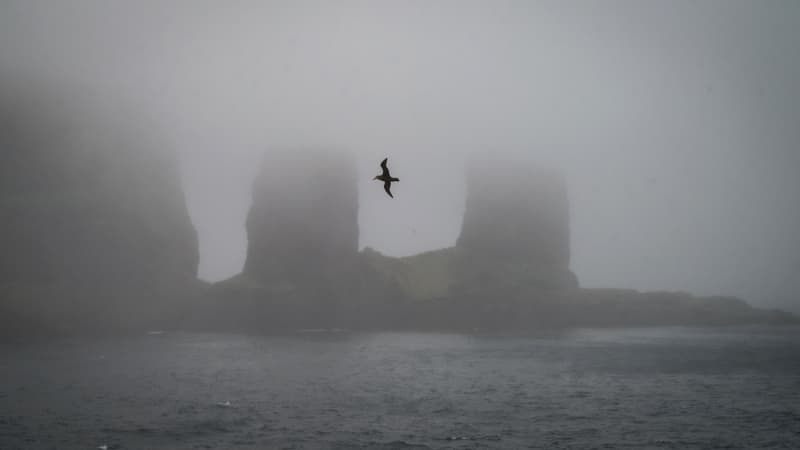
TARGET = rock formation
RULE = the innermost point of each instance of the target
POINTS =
(509, 269)
(303, 268)
(95, 232)
(96, 237)
(516, 227)
(303, 225)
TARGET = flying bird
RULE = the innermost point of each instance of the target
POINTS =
(386, 177)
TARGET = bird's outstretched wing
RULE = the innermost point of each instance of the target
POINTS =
(387, 186)
(385, 169)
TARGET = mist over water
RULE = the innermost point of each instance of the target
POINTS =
(673, 122)
(195, 253)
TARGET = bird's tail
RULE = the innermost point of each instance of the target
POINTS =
(395, 179)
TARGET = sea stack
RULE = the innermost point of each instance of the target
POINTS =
(94, 228)
(303, 268)
(516, 220)
(302, 228)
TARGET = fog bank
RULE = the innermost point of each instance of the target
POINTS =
(674, 122)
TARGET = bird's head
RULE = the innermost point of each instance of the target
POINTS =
(375, 177)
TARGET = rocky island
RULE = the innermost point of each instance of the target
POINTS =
(509, 269)
(96, 238)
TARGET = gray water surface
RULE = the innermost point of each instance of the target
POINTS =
(631, 388)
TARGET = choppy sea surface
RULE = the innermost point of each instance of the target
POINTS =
(659, 388)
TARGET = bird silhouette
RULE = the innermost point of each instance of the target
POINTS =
(386, 177)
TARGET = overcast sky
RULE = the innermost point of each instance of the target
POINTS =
(677, 123)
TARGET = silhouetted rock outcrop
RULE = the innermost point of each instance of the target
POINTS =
(303, 268)
(515, 228)
(303, 225)
(95, 232)
(96, 237)
(510, 269)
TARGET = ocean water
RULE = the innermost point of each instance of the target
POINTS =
(659, 388)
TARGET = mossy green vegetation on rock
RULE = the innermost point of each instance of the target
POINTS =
(424, 276)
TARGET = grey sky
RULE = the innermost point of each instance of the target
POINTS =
(676, 122)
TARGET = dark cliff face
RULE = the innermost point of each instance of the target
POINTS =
(94, 226)
(516, 212)
(303, 268)
(516, 223)
(303, 225)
